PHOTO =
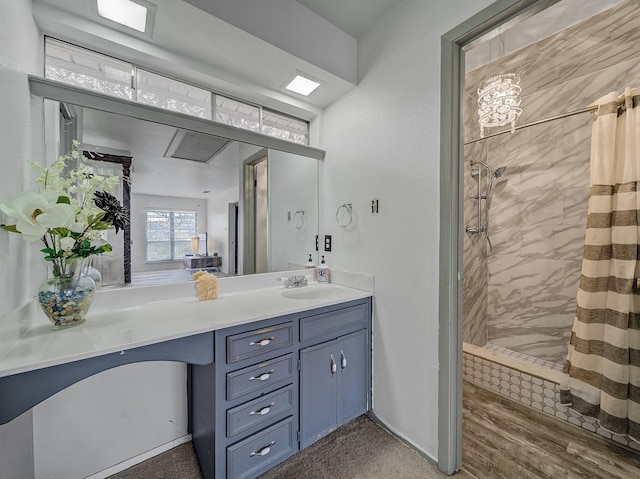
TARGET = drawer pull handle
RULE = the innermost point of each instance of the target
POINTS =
(263, 376)
(343, 360)
(263, 411)
(264, 451)
(261, 342)
(333, 365)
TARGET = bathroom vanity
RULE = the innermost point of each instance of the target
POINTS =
(271, 369)
(276, 386)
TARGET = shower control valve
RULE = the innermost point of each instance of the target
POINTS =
(474, 230)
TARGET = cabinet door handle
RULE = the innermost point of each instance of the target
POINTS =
(263, 376)
(333, 365)
(262, 411)
(343, 360)
(261, 342)
(264, 451)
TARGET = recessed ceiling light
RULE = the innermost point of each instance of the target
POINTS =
(125, 12)
(302, 85)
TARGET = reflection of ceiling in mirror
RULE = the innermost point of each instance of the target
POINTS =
(194, 146)
(153, 172)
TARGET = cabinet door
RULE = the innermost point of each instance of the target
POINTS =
(351, 355)
(317, 391)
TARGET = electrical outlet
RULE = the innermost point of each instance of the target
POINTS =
(374, 206)
(317, 243)
(327, 243)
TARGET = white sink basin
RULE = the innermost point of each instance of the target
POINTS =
(320, 291)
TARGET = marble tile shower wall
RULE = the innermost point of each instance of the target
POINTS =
(539, 207)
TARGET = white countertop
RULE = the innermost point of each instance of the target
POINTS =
(27, 341)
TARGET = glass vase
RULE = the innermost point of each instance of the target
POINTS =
(93, 273)
(66, 299)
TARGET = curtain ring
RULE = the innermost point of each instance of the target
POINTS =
(298, 219)
(349, 215)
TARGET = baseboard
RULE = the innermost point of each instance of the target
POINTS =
(139, 458)
(371, 415)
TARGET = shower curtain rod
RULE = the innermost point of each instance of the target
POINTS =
(537, 122)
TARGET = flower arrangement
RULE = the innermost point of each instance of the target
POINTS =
(68, 211)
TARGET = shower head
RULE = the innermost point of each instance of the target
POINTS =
(499, 172)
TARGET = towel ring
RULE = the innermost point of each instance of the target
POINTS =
(298, 219)
(348, 213)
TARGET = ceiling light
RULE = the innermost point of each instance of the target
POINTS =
(125, 12)
(302, 85)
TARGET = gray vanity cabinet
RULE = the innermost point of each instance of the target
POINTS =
(333, 385)
(268, 393)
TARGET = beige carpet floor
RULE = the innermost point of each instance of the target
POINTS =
(358, 450)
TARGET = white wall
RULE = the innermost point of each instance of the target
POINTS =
(382, 141)
(289, 191)
(108, 418)
(19, 41)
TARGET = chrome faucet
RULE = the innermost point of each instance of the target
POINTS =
(296, 281)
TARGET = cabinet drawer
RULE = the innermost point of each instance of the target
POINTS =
(258, 411)
(334, 323)
(258, 376)
(248, 456)
(252, 343)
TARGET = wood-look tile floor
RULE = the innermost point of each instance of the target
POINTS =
(505, 440)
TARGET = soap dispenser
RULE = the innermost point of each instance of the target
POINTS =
(322, 272)
(309, 263)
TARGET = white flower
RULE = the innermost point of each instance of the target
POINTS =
(78, 227)
(67, 243)
(36, 212)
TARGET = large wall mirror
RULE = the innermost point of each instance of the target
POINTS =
(197, 200)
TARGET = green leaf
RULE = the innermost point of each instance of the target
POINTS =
(64, 199)
(61, 231)
(101, 225)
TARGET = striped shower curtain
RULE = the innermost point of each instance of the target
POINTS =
(603, 363)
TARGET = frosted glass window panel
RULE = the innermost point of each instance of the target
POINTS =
(236, 113)
(86, 69)
(173, 95)
(285, 127)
